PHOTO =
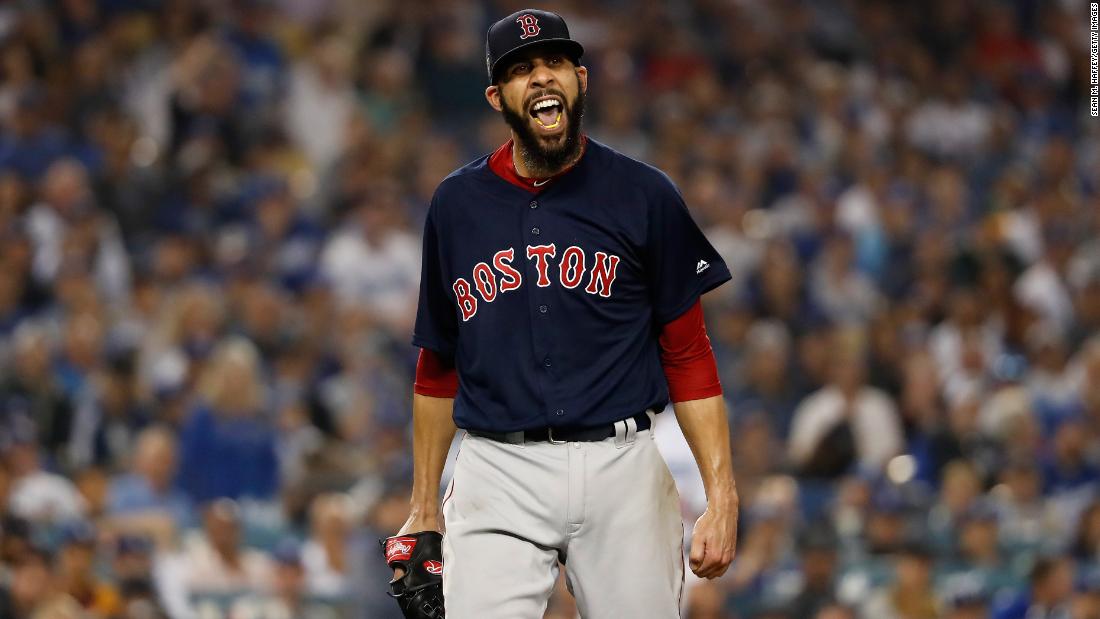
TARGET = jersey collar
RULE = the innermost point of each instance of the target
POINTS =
(501, 163)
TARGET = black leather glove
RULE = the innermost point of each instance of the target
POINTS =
(419, 592)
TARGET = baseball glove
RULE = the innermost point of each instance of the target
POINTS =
(419, 592)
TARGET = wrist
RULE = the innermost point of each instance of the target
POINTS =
(423, 510)
(724, 497)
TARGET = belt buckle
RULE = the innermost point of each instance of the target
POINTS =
(550, 437)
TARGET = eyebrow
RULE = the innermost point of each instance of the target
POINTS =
(531, 56)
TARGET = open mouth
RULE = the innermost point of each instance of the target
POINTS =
(547, 112)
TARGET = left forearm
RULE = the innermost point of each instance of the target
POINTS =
(706, 429)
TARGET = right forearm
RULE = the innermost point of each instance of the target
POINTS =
(433, 431)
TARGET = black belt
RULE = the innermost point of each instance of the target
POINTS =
(564, 434)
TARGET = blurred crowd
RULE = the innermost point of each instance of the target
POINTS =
(210, 215)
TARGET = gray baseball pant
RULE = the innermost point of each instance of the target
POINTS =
(609, 510)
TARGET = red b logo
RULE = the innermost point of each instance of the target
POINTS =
(530, 25)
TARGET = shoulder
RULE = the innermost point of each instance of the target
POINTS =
(877, 399)
(128, 483)
(457, 182)
(639, 173)
(820, 401)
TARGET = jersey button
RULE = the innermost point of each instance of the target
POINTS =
(534, 204)
(535, 231)
(546, 362)
(543, 309)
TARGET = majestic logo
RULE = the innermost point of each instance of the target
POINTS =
(702, 266)
(529, 24)
(400, 548)
(571, 271)
(434, 567)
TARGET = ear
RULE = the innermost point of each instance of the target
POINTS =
(582, 77)
(492, 95)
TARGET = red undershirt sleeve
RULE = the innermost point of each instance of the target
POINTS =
(436, 377)
(688, 359)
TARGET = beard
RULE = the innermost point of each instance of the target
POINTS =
(542, 157)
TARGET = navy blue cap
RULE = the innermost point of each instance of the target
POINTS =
(524, 29)
(979, 511)
(133, 545)
(78, 533)
(888, 500)
(288, 552)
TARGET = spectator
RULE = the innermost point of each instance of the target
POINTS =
(132, 559)
(951, 125)
(844, 294)
(214, 563)
(844, 424)
(75, 575)
(1066, 466)
(109, 417)
(767, 365)
(1042, 288)
(817, 592)
(132, 568)
(31, 591)
(188, 326)
(1027, 522)
(228, 443)
(290, 589)
(69, 231)
(1086, 543)
(324, 556)
(36, 493)
(149, 488)
(30, 143)
(979, 555)
(960, 490)
(374, 263)
(321, 101)
(1051, 584)
(31, 391)
(911, 596)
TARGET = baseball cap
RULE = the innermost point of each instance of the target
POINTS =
(524, 29)
(288, 552)
(78, 533)
(981, 511)
(130, 544)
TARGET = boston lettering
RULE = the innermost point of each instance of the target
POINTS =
(503, 277)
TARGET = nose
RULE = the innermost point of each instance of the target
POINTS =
(541, 76)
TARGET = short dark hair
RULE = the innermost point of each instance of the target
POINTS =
(1043, 568)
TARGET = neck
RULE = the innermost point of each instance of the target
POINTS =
(526, 171)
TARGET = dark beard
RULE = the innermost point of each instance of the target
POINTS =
(544, 160)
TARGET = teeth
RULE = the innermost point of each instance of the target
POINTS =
(545, 103)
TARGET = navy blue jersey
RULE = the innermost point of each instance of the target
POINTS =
(551, 304)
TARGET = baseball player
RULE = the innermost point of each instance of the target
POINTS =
(559, 312)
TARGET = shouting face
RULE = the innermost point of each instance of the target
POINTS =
(541, 96)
